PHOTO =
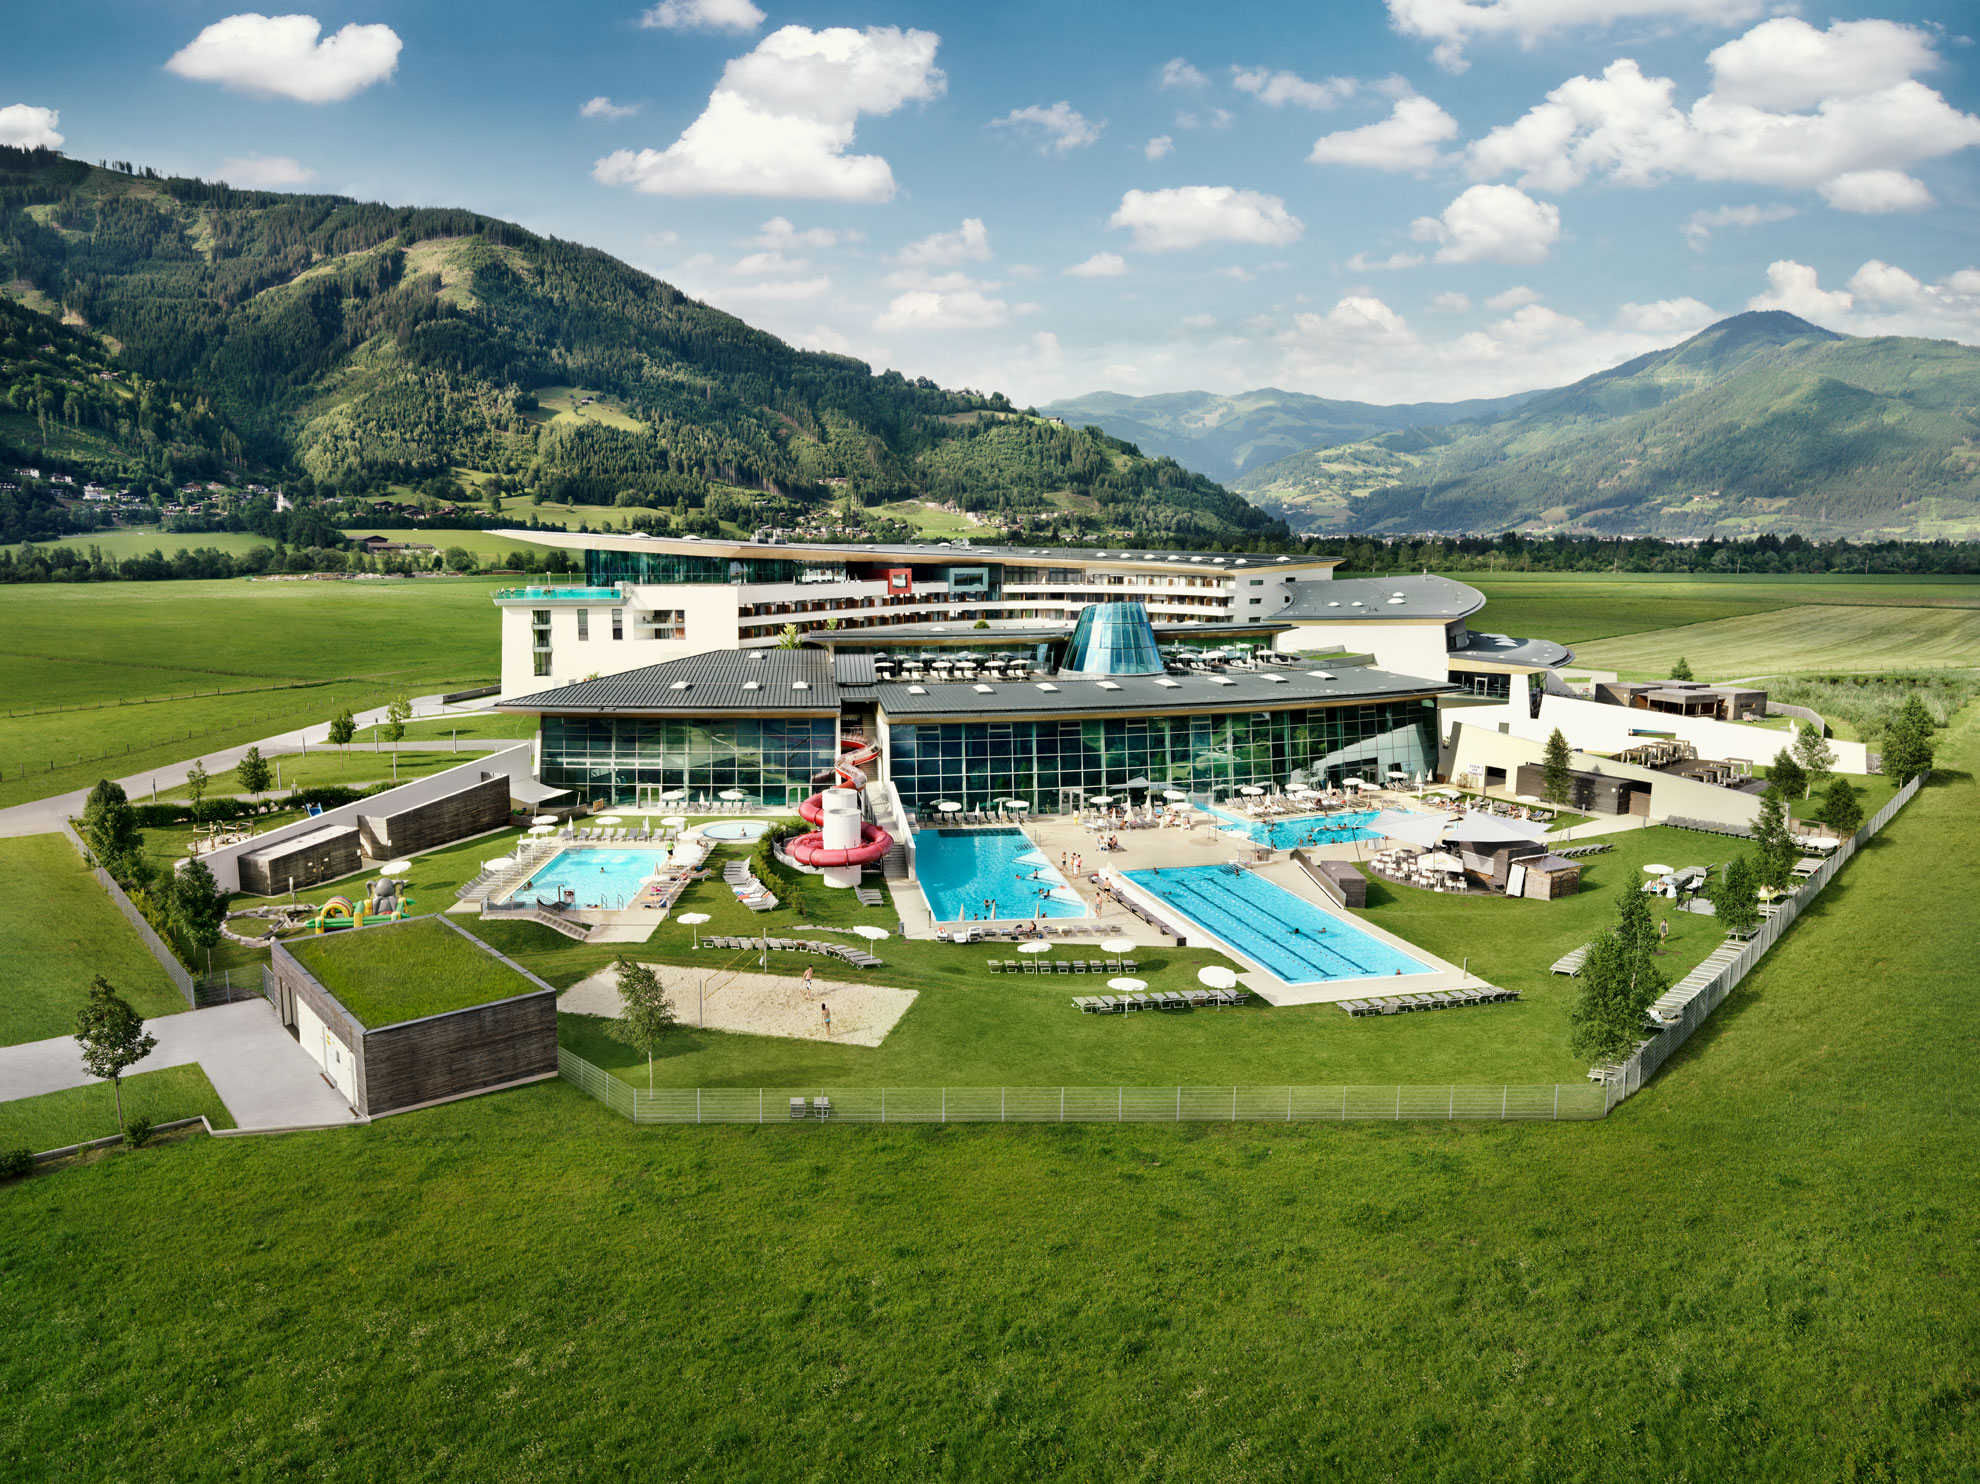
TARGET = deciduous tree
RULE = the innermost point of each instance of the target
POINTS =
(343, 727)
(1842, 811)
(1618, 982)
(112, 1037)
(645, 1017)
(1817, 758)
(1786, 775)
(252, 772)
(1557, 770)
(1736, 900)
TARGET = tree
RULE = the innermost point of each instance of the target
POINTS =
(1737, 899)
(1618, 982)
(196, 781)
(1557, 770)
(343, 727)
(109, 827)
(252, 772)
(1842, 811)
(112, 1037)
(1908, 741)
(1680, 670)
(1786, 775)
(1775, 866)
(459, 559)
(397, 715)
(789, 637)
(645, 1017)
(195, 905)
(1817, 758)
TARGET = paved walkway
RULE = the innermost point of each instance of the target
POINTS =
(262, 1075)
(44, 815)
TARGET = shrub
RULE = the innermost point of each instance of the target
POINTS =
(16, 1162)
(137, 1131)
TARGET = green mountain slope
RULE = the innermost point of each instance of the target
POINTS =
(1761, 422)
(1225, 436)
(363, 344)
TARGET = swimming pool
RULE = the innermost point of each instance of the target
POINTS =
(599, 878)
(735, 829)
(958, 869)
(1275, 929)
(1307, 829)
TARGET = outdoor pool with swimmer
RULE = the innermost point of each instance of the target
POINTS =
(597, 878)
(960, 869)
(1305, 829)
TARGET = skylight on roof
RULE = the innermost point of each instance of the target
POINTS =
(1168, 684)
(800, 685)
(1109, 685)
(752, 685)
(983, 690)
(1221, 680)
(1047, 685)
(917, 690)
(1320, 674)
(1275, 679)
(680, 685)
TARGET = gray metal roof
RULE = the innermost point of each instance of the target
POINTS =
(966, 636)
(719, 681)
(1275, 688)
(853, 669)
(1347, 599)
(1501, 649)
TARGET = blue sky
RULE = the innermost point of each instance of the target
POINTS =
(1393, 200)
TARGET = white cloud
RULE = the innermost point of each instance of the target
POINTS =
(825, 338)
(1177, 73)
(955, 305)
(1045, 348)
(1700, 226)
(1451, 24)
(1157, 148)
(1451, 303)
(771, 262)
(1512, 298)
(1200, 321)
(1492, 224)
(27, 127)
(703, 15)
(1786, 64)
(265, 172)
(775, 291)
(1280, 88)
(968, 243)
(778, 233)
(1627, 128)
(1059, 128)
(1794, 287)
(782, 118)
(1361, 262)
(1234, 273)
(1100, 265)
(603, 107)
(1406, 140)
(280, 56)
(1216, 118)
(1875, 192)
(1680, 317)
(1183, 217)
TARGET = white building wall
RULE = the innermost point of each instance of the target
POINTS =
(1404, 647)
(1593, 726)
(712, 623)
(1479, 747)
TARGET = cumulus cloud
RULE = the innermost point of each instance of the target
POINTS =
(603, 107)
(1680, 317)
(1492, 224)
(281, 56)
(781, 120)
(778, 234)
(1700, 225)
(1512, 298)
(1058, 128)
(27, 127)
(1406, 140)
(1880, 299)
(1853, 146)
(968, 243)
(1177, 73)
(1280, 88)
(1184, 217)
(1795, 288)
(1363, 262)
(1100, 265)
(951, 302)
(1199, 321)
(1450, 303)
(1451, 24)
(1157, 148)
(703, 15)
(265, 172)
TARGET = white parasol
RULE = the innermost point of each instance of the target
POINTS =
(544, 819)
(1126, 983)
(872, 934)
(1119, 945)
(395, 868)
(1034, 947)
(1217, 976)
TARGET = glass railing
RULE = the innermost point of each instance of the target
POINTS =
(557, 595)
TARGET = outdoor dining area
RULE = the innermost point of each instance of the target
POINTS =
(1474, 853)
(962, 665)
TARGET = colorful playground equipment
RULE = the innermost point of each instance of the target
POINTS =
(386, 903)
(844, 844)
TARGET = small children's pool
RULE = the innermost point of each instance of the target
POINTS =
(961, 870)
(736, 829)
(1280, 932)
(1306, 829)
(597, 878)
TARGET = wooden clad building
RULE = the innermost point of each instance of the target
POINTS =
(301, 860)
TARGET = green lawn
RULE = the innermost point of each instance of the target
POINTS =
(57, 930)
(55, 1120)
(150, 673)
(353, 766)
(132, 541)
(472, 728)
(406, 970)
(1759, 1269)
(1864, 637)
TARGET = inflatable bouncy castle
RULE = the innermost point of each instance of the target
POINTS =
(844, 843)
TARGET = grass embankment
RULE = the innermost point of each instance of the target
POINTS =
(151, 673)
(135, 541)
(75, 1115)
(1759, 1269)
(407, 970)
(58, 929)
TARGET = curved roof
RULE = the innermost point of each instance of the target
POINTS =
(1502, 649)
(1351, 599)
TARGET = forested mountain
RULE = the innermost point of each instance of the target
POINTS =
(359, 345)
(1762, 422)
(1225, 436)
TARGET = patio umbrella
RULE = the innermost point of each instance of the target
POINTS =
(949, 806)
(542, 829)
(672, 795)
(1101, 799)
(500, 863)
(675, 821)
(1442, 862)
(694, 920)
(1217, 976)
(1138, 782)
(1127, 984)
(1178, 795)
(1527, 798)
(1034, 947)
(733, 795)
(544, 819)
(395, 868)
(1015, 803)
(873, 934)
(610, 819)
(1657, 870)
(1119, 945)
(1252, 790)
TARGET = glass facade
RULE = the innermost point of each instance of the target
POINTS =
(611, 759)
(1206, 753)
(1113, 639)
(604, 568)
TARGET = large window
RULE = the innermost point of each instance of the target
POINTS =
(607, 568)
(1207, 753)
(606, 758)
(539, 638)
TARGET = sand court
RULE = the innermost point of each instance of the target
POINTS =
(757, 1004)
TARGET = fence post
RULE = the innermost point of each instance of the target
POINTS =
(1504, 1093)
(1120, 1105)
(883, 1105)
(1233, 1105)
(1178, 1105)
(1557, 1100)
(1003, 1114)
(759, 1105)
(1062, 1105)
(1398, 1103)
(945, 1105)
(697, 1105)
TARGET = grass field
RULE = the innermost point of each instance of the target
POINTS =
(352, 767)
(143, 540)
(149, 673)
(930, 519)
(1759, 1269)
(57, 930)
(472, 728)
(1803, 638)
(423, 967)
(76, 1115)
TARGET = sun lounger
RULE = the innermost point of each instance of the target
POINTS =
(799, 1108)
(1010, 966)
(996, 966)
(867, 896)
(1062, 967)
(1078, 966)
(1089, 1004)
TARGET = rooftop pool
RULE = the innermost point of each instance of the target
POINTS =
(1305, 829)
(597, 878)
(960, 869)
(1276, 930)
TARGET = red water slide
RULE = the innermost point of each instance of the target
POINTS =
(874, 842)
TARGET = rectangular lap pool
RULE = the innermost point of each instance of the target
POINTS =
(960, 870)
(1276, 930)
(1308, 829)
(598, 878)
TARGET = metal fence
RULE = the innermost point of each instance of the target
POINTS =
(1325, 1104)
(1642, 1064)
